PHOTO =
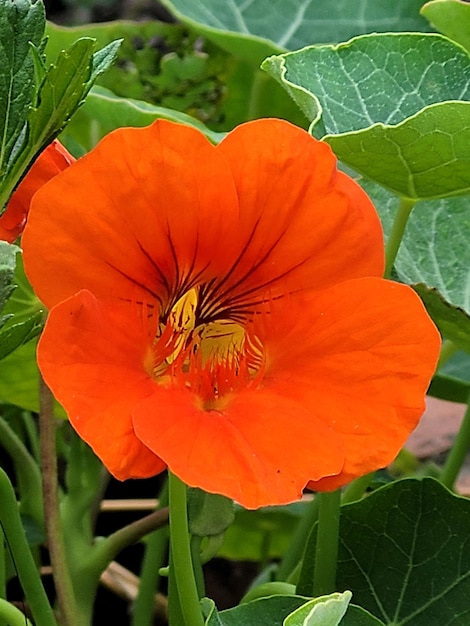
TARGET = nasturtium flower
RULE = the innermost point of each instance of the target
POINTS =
(50, 162)
(220, 311)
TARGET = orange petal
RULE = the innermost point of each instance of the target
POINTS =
(360, 357)
(301, 219)
(138, 215)
(50, 162)
(259, 450)
(92, 359)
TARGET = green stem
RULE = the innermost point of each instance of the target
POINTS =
(11, 616)
(24, 562)
(396, 235)
(155, 553)
(181, 565)
(55, 537)
(356, 489)
(458, 452)
(27, 471)
(324, 578)
(296, 548)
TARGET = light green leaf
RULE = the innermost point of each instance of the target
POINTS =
(103, 112)
(261, 534)
(21, 24)
(424, 157)
(450, 17)
(209, 513)
(255, 29)
(395, 107)
(322, 611)
(404, 554)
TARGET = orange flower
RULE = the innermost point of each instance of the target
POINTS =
(50, 162)
(220, 311)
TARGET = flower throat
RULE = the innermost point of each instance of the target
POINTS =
(212, 359)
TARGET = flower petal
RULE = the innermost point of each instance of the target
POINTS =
(302, 220)
(135, 226)
(50, 162)
(92, 358)
(259, 450)
(360, 357)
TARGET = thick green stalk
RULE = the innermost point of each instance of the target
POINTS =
(181, 565)
(55, 536)
(396, 234)
(324, 578)
(21, 555)
(458, 452)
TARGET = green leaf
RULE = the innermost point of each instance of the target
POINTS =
(453, 322)
(424, 157)
(60, 91)
(357, 616)
(16, 335)
(269, 611)
(452, 381)
(21, 24)
(387, 105)
(261, 534)
(8, 254)
(322, 611)
(404, 554)
(434, 250)
(450, 17)
(253, 30)
(209, 513)
(103, 112)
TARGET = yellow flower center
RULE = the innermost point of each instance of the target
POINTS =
(212, 358)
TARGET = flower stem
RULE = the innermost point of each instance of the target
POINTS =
(324, 578)
(181, 565)
(396, 234)
(21, 555)
(155, 553)
(55, 537)
(458, 452)
(294, 553)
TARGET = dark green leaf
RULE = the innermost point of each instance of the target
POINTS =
(21, 24)
(16, 335)
(404, 554)
(452, 381)
(357, 616)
